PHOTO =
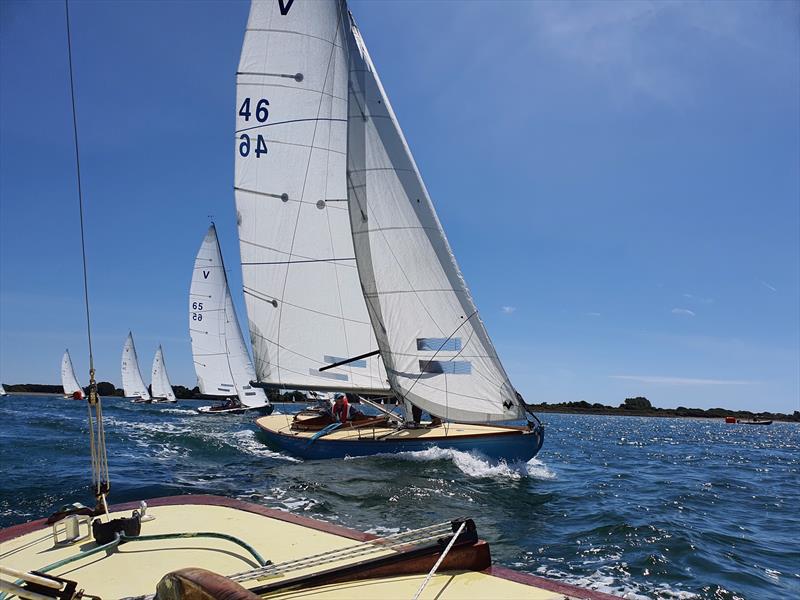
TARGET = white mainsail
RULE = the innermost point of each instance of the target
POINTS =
(3, 390)
(160, 384)
(68, 379)
(220, 355)
(132, 382)
(437, 352)
(304, 302)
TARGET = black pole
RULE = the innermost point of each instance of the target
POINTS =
(349, 360)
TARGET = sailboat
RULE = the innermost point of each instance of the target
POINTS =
(72, 389)
(350, 283)
(220, 355)
(3, 390)
(177, 546)
(160, 386)
(132, 382)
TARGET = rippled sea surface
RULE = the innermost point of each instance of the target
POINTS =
(645, 508)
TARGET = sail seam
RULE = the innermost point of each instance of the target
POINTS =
(263, 247)
(294, 88)
(257, 295)
(296, 262)
(299, 145)
(300, 33)
(310, 119)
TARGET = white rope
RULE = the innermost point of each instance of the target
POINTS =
(439, 562)
(390, 542)
(30, 577)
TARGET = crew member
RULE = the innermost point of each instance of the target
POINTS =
(343, 411)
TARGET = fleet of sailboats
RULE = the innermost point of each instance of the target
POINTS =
(72, 389)
(221, 360)
(350, 283)
(350, 287)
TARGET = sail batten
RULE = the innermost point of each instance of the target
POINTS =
(132, 383)
(301, 285)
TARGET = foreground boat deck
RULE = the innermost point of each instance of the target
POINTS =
(135, 568)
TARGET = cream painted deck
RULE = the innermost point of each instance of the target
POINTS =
(135, 567)
(447, 586)
(282, 424)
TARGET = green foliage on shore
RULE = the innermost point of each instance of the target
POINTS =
(641, 407)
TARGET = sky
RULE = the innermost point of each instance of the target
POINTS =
(619, 181)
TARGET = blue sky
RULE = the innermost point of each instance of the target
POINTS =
(620, 183)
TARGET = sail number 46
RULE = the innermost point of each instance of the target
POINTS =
(261, 115)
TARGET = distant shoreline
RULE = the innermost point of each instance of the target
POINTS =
(584, 408)
(631, 407)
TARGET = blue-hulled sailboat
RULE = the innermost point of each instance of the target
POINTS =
(342, 253)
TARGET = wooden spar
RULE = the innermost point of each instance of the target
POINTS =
(349, 360)
(468, 554)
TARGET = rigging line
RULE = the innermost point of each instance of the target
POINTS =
(339, 34)
(80, 193)
(302, 194)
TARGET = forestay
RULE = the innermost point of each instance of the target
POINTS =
(436, 350)
(68, 379)
(220, 355)
(132, 382)
(160, 385)
(301, 283)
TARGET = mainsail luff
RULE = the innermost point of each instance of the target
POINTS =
(301, 285)
(68, 379)
(434, 345)
(161, 386)
(132, 383)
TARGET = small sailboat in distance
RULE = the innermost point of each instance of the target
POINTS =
(3, 391)
(161, 387)
(132, 382)
(343, 254)
(72, 389)
(220, 355)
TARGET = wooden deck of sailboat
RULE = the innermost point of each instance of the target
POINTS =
(281, 424)
(135, 568)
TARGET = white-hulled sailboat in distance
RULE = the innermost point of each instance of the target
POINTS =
(3, 391)
(220, 355)
(72, 389)
(160, 387)
(132, 382)
(349, 280)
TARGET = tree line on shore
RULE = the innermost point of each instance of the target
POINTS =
(641, 407)
(635, 407)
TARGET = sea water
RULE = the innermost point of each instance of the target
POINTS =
(641, 507)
